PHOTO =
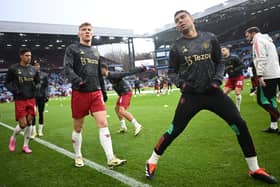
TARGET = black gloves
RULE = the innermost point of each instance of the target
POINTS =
(213, 86)
(78, 82)
(105, 97)
(46, 99)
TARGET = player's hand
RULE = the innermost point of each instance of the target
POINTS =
(105, 97)
(18, 92)
(46, 99)
(213, 86)
(262, 82)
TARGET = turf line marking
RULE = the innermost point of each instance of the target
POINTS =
(114, 174)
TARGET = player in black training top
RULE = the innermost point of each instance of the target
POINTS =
(21, 80)
(42, 96)
(124, 91)
(234, 69)
(82, 68)
(196, 64)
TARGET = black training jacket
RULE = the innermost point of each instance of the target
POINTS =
(21, 81)
(196, 62)
(120, 85)
(42, 88)
(82, 68)
(233, 66)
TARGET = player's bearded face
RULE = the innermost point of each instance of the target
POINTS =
(26, 57)
(184, 22)
(85, 33)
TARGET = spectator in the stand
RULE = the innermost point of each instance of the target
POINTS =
(266, 62)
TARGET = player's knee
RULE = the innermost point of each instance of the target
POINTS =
(78, 129)
(173, 132)
(240, 127)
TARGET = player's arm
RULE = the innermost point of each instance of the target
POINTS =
(46, 86)
(260, 57)
(11, 82)
(68, 67)
(238, 64)
(119, 75)
(218, 61)
(102, 83)
(173, 67)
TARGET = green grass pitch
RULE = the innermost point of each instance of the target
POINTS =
(205, 154)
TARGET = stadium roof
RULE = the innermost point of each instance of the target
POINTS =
(229, 20)
(48, 41)
(46, 28)
(34, 34)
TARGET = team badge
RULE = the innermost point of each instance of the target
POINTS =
(205, 45)
(184, 49)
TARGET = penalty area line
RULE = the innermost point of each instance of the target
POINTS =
(99, 168)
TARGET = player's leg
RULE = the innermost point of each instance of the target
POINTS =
(238, 97)
(77, 141)
(105, 139)
(20, 114)
(123, 105)
(27, 134)
(137, 126)
(33, 125)
(123, 127)
(187, 107)
(266, 97)
(79, 107)
(41, 108)
(239, 82)
(223, 106)
(254, 83)
(98, 111)
(33, 128)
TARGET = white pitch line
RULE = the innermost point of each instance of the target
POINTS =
(116, 175)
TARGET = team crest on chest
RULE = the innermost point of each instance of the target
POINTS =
(205, 45)
(184, 50)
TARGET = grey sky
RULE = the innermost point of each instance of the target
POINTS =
(143, 16)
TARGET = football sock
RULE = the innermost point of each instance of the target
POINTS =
(41, 128)
(33, 127)
(106, 142)
(274, 125)
(77, 142)
(154, 158)
(16, 131)
(252, 163)
(27, 134)
(238, 99)
(135, 123)
(123, 125)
